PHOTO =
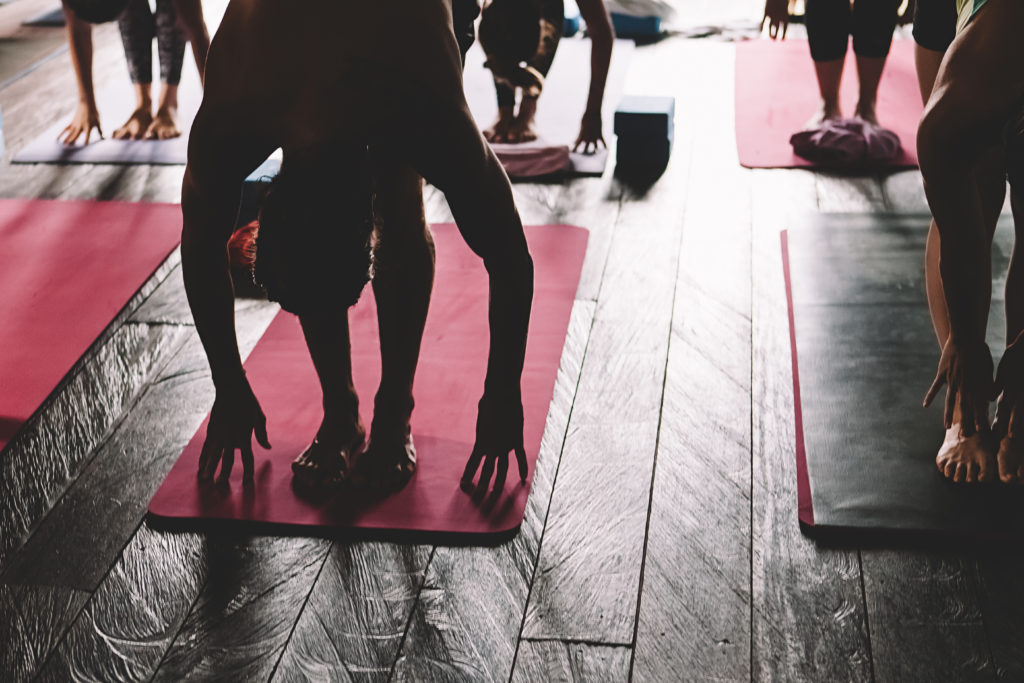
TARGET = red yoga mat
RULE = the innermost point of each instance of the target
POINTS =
(66, 270)
(449, 382)
(777, 93)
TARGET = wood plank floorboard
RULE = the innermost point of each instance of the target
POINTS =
(355, 620)
(83, 535)
(808, 620)
(694, 612)
(587, 581)
(559, 661)
(671, 430)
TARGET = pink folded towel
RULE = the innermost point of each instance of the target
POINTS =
(846, 142)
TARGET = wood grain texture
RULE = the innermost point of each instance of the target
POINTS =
(356, 617)
(130, 621)
(72, 422)
(239, 625)
(564, 662)
(903, 192)
(83, 536)
(1001, 591)
(466, 623)
(588, 573)
(808, 617)
(926, 620)
(32, 619)
(694, 613)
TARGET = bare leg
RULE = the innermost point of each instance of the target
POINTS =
(403, 279)
(522, 128)
(190, 18)
(165, 122)
(965, 192)
(869, 74)
(927, 66)
(498, 131)
(341, 432)
(138, 123)
(1011, 449)
(830, 76)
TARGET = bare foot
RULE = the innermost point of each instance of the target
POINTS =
(1011, 447)
(865, 111)
(826, 112)
(522, 130)
(388, 462)
(136, 126)
(966, 458)
(498, 132)
(164, 125)
(326, 461)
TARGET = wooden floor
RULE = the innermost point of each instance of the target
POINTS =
(661, 539)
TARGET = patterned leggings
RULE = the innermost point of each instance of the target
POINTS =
(139, 25)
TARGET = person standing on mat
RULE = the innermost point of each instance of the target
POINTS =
(360, 127)
(830, 23)
(520, 38)
(174, 23)
(970, 140)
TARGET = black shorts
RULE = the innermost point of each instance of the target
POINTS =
(935, 24)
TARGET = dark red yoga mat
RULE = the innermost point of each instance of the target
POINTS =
(777, 93)
(66, 270)
(449, 382)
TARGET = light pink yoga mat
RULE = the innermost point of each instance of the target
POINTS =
(777, 93)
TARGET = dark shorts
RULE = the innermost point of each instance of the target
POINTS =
(935, 24)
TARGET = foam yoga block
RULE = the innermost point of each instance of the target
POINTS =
(571, 25)
(449, 381)
(863, 355)
(68, 268)
(645, 128)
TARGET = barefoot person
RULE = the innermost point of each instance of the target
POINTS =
(520, 38)
(969, 138)
(359, 125)
(830, 23)
(174, 23)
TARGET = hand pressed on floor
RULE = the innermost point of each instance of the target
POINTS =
(966, 371)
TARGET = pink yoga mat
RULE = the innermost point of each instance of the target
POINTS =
(66, 270)
(449, 382)
(776, 94)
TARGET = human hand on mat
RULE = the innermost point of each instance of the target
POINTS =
(590, 133)
(776, 15)
(499, 430)
(236, 415)
(86, 118)
(966, 371)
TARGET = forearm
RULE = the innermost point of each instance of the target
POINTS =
(80, 42)
(602, 37)
(511, 298)
(204, 263)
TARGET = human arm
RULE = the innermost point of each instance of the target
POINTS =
(602, 36)
(86, 116)
(776, 15)
(208, 210)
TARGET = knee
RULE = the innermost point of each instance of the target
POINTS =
(939, 147)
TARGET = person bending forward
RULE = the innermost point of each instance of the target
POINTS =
(364, 98)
